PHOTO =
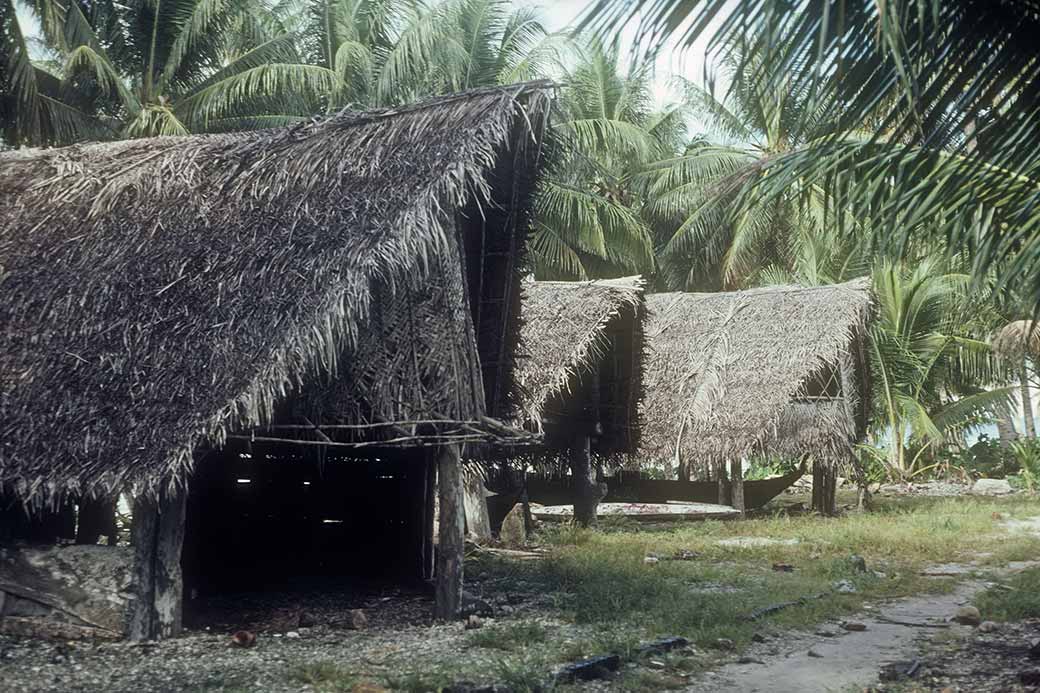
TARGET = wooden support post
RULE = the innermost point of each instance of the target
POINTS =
(586, 490)
(736, 477)
(825, 482)
(144, 533)
(158, 537)
(450, 549)
(720, 479)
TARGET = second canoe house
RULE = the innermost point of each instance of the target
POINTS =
(267, 339)
(777, 370)
(579, 374)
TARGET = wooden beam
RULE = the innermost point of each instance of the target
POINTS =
(736, 477)
(450, 549)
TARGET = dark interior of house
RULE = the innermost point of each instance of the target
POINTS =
(279, 516)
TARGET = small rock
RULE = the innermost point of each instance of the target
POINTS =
(292, 634)
(1034, 649)
(991, 487)
(685, 555)
(474, 622)
(655, 664)
(968, 616)
(783, 568)
(749, 660)
(826, 633)
(243, 638)
(758, 637)
(724, 644)
(854, 626)
(858, 563)
(814, 653)
(651, 560)
(472, 604)
(988, 627)
(357, 620)
(844, 587)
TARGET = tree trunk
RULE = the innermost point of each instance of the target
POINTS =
(452, 534)
(583, 474)
(158, 537)
(824, 487)
(736, 478)
(1027, 402)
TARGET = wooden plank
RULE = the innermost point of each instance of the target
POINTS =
(452, 534)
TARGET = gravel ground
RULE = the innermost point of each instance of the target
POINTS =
(400, 640)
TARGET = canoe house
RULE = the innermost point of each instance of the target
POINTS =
(272, 342)
(579, 377)
(771, 371)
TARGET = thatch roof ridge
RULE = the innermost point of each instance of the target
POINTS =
(723, 368)
(355, 201)
(551, 354)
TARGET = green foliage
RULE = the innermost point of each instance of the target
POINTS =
(323, 676)
(1012, 599)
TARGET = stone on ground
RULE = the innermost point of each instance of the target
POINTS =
(968, 616)
(514, 533)
(991, 487)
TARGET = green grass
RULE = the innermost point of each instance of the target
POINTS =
(601, 579)
(1013, 599)
(323, 676)
(511, 637)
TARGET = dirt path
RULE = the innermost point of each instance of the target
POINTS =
(850, 660)
(845, 660)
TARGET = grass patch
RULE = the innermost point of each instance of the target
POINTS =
(599, 578)
(1013, 599)
(510, 637)
(323, 676)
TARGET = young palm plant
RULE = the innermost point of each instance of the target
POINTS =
(926, 365)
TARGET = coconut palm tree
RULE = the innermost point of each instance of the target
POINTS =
(950, 89)
(725, 237)
(164, 68)
(590, 217)
(1019, 341)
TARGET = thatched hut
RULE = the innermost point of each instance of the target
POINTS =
(180, 312)
(579, 373)
(778, 370)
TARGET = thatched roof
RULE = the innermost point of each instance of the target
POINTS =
(726, 372)
(162, 293)
(564, 333)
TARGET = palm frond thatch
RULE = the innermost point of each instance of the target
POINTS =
(1017, 339)
(566, 333)
(161, 294)
(729, 374)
